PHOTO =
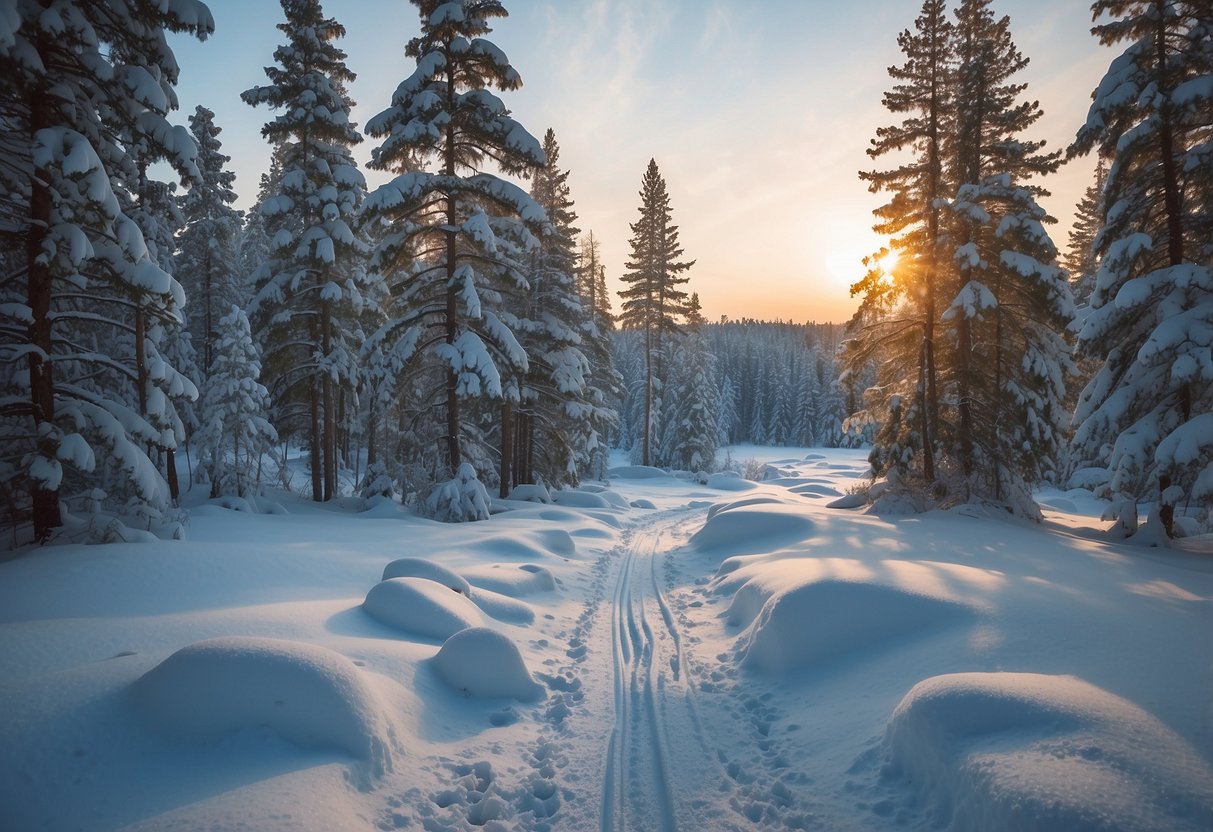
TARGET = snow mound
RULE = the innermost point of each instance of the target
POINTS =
(729, 481)
(616, 499)
(636, 472)
(800, 626)
(422, 568)
(309, 695)
(813, 489)
(1012, 751)
(484, 663)
(856, 500)
(421, 607)
(643, 503)
(1090, 479)
(531, 493)
(750, 529)
(556, 541)
(514, 580)
(748, 501)
(503, 608)
(572, 498)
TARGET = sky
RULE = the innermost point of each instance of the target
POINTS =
(758, 115)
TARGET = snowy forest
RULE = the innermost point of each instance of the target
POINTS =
(399, 484)
(450, 332)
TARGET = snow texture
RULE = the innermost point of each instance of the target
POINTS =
(421, 607)
(310, 695)
(1015, 751)
(484, 663)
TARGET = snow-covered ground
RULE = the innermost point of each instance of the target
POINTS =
(660, 654)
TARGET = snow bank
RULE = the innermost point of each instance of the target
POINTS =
(752, 529)
(421, 607)
(483, 662)
(530, 493)
(514, 580)
(637, 472)
(802, 625)
(503, 608)
(572, 498)
(1016, 751)
(309, 695)
(729, 481)
(422, 568)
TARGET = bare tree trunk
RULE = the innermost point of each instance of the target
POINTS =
(317, 453)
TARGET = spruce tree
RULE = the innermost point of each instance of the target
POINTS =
(1080, 259)
(1146, 414)
(605, 385)
(311, 288)
(208, 264)
(653, 303)
(1011, 302)
(896, 325)
(81, 85)
(548, 429)
(454, 237)
(234, 432)
(694, 433)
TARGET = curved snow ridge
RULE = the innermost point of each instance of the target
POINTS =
(638, 472)
(428, 569)
(759, 527)
(421, 607)
(513, 580)
(484, 663)
(309, 695)
(1018, 751)
(806, 624)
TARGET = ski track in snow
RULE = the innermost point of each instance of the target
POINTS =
(663, 771)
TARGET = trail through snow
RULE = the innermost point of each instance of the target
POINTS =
(663, 771)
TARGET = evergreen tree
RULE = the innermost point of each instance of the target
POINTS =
(1147, 412)
(694, 398)
(454, 237)
(311, 289)
(549, 429)
(234, 430)
(81, 84)
(604, 389)
(1006, 373)
(652, 303)
(208, 264)
(896, 324)
(1080, 260)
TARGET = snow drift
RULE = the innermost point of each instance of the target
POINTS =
(1023, 751)
(483, 662)
(309, 695)
(421, 607)
(752, 528)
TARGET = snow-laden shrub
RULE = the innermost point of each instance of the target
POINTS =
(377, 482)
(461, 499)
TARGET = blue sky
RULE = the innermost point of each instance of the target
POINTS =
(757, 113)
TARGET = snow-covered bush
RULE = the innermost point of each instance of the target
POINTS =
(460, 499)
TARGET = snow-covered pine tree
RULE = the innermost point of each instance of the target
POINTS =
(652, 301)
(208, 262)
(546, 428)
(311, 289)
(81, 83)
(1148, 413)
(895, 327)
(1011, 304)
(1080, 259)
(693, 398)
(454, 236)
(234, 432)
(604, 387)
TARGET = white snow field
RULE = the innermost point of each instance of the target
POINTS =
(646, 654)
